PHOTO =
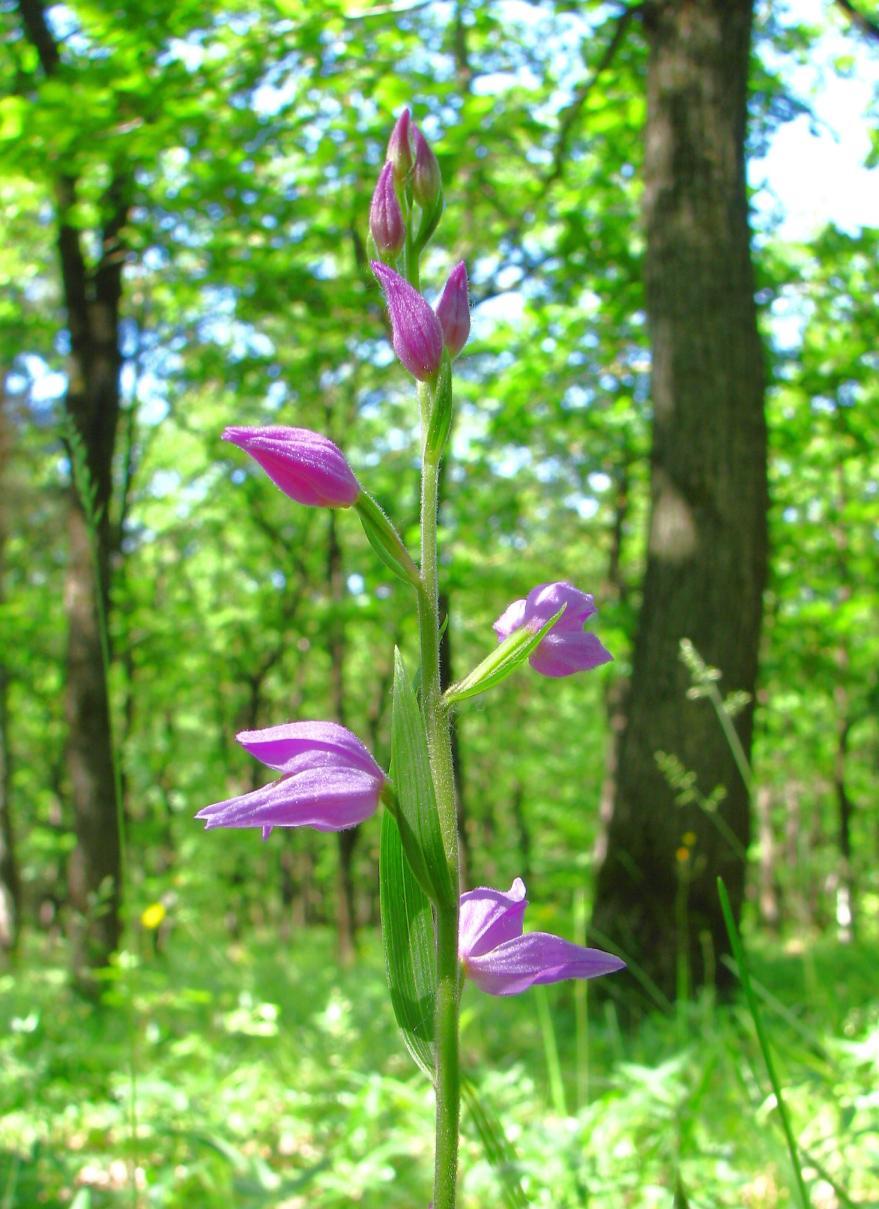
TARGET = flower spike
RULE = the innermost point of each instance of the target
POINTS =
(502, 961)
(308, 467)
(567, 648)
(417, 335)
(329, 781)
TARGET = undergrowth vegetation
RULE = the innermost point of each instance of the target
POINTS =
(265, 1075)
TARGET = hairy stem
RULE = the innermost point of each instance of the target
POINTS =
(448, 1093)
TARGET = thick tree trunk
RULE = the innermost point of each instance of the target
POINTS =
(91, 301)
(707, 541)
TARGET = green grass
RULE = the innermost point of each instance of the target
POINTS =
(269, 1077)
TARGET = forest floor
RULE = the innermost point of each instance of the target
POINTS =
(264, 1075)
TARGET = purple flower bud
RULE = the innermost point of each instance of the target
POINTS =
(426, 180)
(567, 648)
(308, 467)
(453, 310)
(385, 215)
(417, 335)
(329, 781)
(502, 961)
(399, 151)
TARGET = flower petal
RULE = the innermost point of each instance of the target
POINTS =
(566, 653)
(277, 746)
(307, 466)
(535, 959)
(512, 618)
(327, 798)
(546, 599)
(489, 917)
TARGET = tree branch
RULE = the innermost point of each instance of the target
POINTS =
(571, 112)
(868, 27)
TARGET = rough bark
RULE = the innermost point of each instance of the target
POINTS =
(91, 295)
(706, 558)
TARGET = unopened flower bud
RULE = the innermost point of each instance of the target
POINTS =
(427, 181)
(308, 467)
(416, 332)
(385, 215)
(399, 151)
(453, 310)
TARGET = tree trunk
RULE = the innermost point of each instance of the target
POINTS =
(91, 302)
(706, 558)
(346, 917)
(10, 885)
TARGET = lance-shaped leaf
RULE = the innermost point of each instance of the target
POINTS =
(416, 812)
(385, 540)
(501, 663)
(410, 947)
(440, 412)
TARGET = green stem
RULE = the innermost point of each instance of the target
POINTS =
(448, 1083)
(448, 1090)
(753, 1007)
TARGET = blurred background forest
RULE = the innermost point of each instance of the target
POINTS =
(184, 191)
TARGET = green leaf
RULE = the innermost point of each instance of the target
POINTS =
(385, 540)
(410, 951)
(440, 412)
(501, 663)
(498, 1148)
(416, 811)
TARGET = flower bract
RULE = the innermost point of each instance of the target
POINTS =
(308, 467)
(328, 781)
(567, 648)
(501, 960)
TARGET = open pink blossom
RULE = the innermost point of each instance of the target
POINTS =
(567, 648)
(328, 781)
(416, 332)
(501, 960)
(308, 467)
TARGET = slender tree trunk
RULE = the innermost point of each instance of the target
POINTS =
(346, 916)
(447, 676)
(10, 884)
(91, 301)
(706, 559)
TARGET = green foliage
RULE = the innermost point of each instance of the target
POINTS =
(266, 1073)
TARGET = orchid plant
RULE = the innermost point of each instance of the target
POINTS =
(434, 936)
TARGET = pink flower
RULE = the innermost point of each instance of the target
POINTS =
(501, 960)
(417, 335)
(308, 467)
(329, 781)
(567, 648)
(453, 310)
(385, 216)
(426, 179)
(399, 151)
